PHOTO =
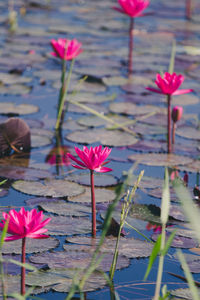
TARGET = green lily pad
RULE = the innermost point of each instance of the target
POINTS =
(21, 109)
(160, 159)
(130, 108)
(32, 245)
(101, 195)
(94, 121)
(115, 81)
(13, 79)
(49, 188)
(128, 247)
(91, 98)
(115, 138)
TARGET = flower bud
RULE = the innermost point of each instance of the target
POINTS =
(177, 112)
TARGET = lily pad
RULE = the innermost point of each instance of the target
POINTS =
(101, 195)
(128, 247)
(21, 109)
(183, 293)
(130, 108)
(107, 138)
(77, 259)
(32, 245)
(189, 133)
(94, 121)
(63, 208)
(179, 241)
(158, 159)
(60, 225)
(91, 98)
(49, 188)
(17, 172)
(99, 179)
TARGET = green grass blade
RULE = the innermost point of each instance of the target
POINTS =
(154, 254)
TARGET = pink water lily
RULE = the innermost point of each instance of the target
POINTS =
(169, 84)
(66, 49)
(21, 225)
(133, 8)
(92, 159)
(24, 224)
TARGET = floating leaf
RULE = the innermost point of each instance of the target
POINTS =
(91, 98)
(189, 133)
(183, 293)
(17, 172)
(103, 136)
(61, 225)
(128, 247)
(61, 207)
(101, 195)
(77, 259)
(157, 159)
(21, 109)
(49, 188)
(100, 179)
(179, 241)
(14, 135)
(32, 245)
(132, 109)
(94, 121)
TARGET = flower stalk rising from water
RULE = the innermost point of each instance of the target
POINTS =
(22, 225)
(65, 50)
(169, 85)
(92, 159)
(133, 9)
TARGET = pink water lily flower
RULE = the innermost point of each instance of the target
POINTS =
(92, 159)
(24, 224)
(66, 49)
(169, 84)
(133, 8)
(177, 113)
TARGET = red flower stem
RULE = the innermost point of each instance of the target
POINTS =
(23, 271)
(169, 123)
(130, 55)
(188, 9)
(173, 132)
(93, 204)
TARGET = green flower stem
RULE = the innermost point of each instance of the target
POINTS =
(93, 204)
(161, 264)
(169, 150)
(23, 270)
(63, 93)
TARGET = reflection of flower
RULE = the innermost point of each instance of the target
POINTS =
(66, 49)
(94, 160)
(169, 84)
(156, 228)
(58, 156)
(21, 225)
(133, 8)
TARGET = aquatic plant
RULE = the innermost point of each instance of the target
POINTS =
(92, 159)
(22, 225)
(177, 112)
(65, 50)
(133, 9)
(169, 85)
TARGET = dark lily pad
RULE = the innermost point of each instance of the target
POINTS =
(99, 179)
(32, 245)
(49, 188)
(101, 195)
(107, 138)
(21, 109)
(128, 247)
(157, 159)
(17, 172)
(145, 212)
(157, 193)
(179, 241)
(77, 259)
